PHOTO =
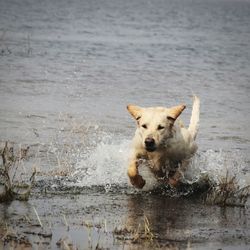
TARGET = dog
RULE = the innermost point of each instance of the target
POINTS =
(162, 140)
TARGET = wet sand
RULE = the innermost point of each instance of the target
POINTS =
(99, 220)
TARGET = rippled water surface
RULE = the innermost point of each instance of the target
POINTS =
(69, 68)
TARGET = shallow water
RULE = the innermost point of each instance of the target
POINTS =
(69, 68)
(91, 219)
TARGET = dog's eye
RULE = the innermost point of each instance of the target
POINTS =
(144, 126)
(160, 127)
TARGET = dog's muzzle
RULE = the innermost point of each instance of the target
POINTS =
(150, 144)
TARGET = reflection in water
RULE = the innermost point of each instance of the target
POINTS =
(177, 221)
(187, 221)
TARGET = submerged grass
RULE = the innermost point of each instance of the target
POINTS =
(142, 233)
(11, 186)
(142, 236)
(227, 192)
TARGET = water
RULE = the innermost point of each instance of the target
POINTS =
(69, 68)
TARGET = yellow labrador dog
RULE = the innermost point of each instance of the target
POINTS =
(162, 140)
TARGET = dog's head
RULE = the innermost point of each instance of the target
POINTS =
(155, 124)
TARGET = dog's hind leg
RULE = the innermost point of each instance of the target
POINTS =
(195, 117)
(178, 175)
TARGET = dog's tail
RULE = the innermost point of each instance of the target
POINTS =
(195, 117)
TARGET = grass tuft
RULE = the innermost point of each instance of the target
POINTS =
(10, 187)
(228, 193)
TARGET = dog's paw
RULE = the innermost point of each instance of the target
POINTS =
(173, 182)
(138, 181)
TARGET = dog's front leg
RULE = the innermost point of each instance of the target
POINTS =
(133, 173)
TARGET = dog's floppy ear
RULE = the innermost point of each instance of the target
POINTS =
(135, 111)
(175, 111)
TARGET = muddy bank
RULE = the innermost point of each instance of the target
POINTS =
(100, 220)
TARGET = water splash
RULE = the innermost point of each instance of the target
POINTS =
(105, 164)
(218, 164)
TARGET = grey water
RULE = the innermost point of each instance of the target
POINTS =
(86, 60)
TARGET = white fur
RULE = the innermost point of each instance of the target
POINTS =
(195, 118)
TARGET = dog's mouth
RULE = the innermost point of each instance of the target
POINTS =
(151, 148)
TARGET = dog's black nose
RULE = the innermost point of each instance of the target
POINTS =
(150, 144)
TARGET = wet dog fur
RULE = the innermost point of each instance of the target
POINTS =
(162, 140)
